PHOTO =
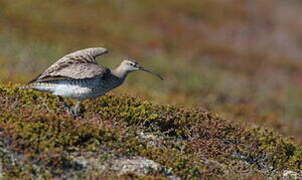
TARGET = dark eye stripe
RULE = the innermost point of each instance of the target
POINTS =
(133, 64)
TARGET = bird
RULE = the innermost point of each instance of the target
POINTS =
(78, 76)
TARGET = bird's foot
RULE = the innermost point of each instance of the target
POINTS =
(75, 110)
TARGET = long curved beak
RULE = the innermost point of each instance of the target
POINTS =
(151, 71)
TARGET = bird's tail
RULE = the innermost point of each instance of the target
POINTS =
(37, 86)
(25, 87)
(28, 86)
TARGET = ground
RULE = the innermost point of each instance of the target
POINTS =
(128, 137)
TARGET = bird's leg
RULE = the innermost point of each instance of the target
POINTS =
(72, 110)
(65, 105)
(75, 110)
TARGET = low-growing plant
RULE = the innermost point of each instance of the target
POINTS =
(191, 142)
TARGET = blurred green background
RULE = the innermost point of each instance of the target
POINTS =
(241, 59)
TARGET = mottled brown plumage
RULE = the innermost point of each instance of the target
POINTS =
(78, 76)
(77, 65)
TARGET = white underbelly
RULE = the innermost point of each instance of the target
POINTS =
(74, 91)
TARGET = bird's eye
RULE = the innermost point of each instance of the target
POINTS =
(132, 64)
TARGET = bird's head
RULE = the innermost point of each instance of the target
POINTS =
(130, 66)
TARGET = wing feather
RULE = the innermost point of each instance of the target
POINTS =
(77, 65)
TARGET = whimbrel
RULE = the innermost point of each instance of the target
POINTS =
(78, 76)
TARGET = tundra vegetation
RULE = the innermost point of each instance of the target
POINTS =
(39, 139)
(230, 105)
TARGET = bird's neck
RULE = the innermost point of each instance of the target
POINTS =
(119, 72)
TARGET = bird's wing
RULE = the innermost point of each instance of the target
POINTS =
(77, 65)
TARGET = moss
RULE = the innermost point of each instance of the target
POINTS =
(190, 142)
